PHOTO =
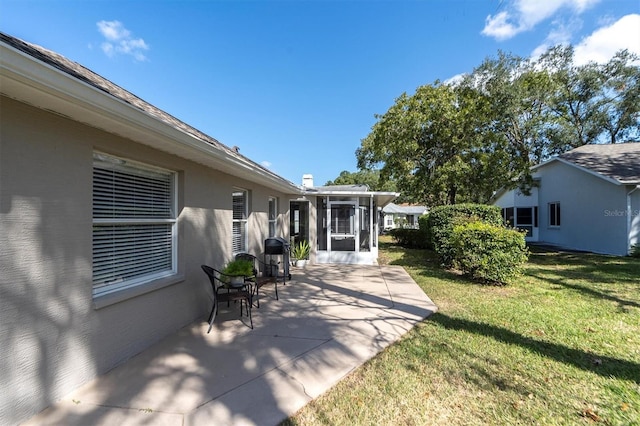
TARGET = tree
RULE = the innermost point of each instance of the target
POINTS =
(434, 145)
(518, 94)
(371, 178)
(451, 143)
(621, 97)
(591, 103)
(575, 117)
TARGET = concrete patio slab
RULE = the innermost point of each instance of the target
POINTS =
(329, 320)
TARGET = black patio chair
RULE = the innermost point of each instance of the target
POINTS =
(260, 279)
(220, 283)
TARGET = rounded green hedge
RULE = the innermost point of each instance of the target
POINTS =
(487, 252)
(443, 219)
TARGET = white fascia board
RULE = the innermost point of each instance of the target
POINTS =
(28, 80)
(383, 198)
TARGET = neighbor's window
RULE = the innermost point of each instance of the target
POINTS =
(134, 223)
(507, 216)
(240, 215)
(524, 219)
(554, 214)
(273, 216)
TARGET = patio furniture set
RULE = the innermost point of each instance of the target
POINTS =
(244, 289)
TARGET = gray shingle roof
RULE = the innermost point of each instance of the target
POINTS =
(84, 74)
(392, 208)
(620, 162)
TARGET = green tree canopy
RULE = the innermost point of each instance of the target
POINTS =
(460, 142)
(371, 178)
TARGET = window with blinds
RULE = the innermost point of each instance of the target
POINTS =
(240, 214)
(273, 216)
(134, 223)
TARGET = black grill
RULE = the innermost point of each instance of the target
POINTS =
(276, 246)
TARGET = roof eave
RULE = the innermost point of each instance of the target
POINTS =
(31, 81)
(382, 198)
(584, 169)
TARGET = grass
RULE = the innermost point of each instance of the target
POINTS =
(561, 345)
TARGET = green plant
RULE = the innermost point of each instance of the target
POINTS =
(489, 253)
(409, 238)
(301, 250)
(238, 267)
(635, 250)
(442, 219)
(412, 238)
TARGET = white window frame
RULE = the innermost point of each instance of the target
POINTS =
(241, 222)
(155, 257)
(273, 217)
(555, 205)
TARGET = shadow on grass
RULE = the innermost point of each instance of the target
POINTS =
(588, 266)
(598, 364)
(623, 304)
(604, 277)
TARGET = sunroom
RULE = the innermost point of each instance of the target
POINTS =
(339, 221)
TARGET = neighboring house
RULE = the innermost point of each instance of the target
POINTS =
(587, 199)
(108, 207)
(402, 215)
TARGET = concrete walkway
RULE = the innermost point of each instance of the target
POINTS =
(329, 320)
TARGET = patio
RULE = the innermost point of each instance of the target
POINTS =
(329, 320)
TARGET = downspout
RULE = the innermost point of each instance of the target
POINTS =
(629, 217)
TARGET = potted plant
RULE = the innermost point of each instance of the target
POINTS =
(237, 270)
(300, 253)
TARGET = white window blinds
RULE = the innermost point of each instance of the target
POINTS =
(134, 223)
(240, 213)
(273, 216)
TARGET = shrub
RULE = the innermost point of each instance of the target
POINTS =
(412, 238)
(409, 238)
(487, 252)
(423, 225)
(442, 219)
(635, 250)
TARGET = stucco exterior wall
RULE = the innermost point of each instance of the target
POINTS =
(52, 336)
(515, 198)
(589, 206)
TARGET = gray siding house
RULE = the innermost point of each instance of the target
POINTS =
(108, 207)
(587, 199)
(402, 215)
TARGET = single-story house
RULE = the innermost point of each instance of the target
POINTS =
(108, 207)
(585, 199)
(402, 215)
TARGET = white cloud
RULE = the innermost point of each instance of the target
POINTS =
(266, 164)
(560, 34)
(603, 43)
(498, 27)
(119, 40)
(524, 15)
(113, 30)
(455, 80)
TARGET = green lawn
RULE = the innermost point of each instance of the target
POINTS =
(559, 346)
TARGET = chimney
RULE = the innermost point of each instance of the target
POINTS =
(307, 181)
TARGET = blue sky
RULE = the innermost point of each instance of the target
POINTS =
(295, 84)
